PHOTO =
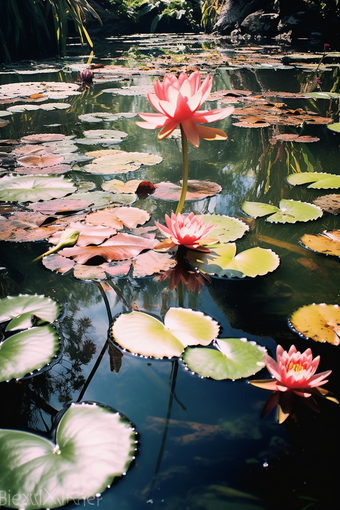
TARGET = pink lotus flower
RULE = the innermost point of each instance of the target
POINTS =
(189, 231)
(294, 373)
(177, 101)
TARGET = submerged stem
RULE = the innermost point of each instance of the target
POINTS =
(185, 172)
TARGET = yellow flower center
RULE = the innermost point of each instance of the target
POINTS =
(295, 366)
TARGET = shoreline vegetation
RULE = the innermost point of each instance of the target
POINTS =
(42, 28)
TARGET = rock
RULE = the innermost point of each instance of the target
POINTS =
(261, 23)
(235, 11)
(282, 20)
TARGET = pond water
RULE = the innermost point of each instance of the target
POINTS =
(202, 442)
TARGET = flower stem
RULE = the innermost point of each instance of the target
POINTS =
(185, 172)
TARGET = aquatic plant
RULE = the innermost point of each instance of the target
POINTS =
(189, 231)
(294, 373)
(41, 27)
(177, 100)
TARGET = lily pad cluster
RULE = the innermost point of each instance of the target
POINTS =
(183, 329)
(36, 344)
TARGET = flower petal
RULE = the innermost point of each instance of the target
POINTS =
(212, 115)
(168, 129)
(209, 133)
(265, 384)
(191, 132)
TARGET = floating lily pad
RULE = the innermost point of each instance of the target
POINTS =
(319, 322)
(117, 162)
(101, 136)
(103, 198)
(234, 358)
(227, 228)
(47, 170)
(32, 107)
(319, 180)
(93, 445)
(26, 188)
(291, 137)
(28, 351)
(119, 247)
(143, 334)
(134, 90)
(50, 90)
(117, 186)
(43, 137)
(197, 190)
(223, 261)
(329, 203)
(25, 227)
(88, 234)
(43, 161)
(289, 211)
(25, 311)
(61, 205)
(145, 264)
(327, 243)
(117, 217)
(150, 263)
(334, 127)
(105, 116)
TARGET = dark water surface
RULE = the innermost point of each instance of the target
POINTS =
(216, 452)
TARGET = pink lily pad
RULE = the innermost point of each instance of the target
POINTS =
(197, 190)
(25, 227)
(40, 161)
(49, 170)
(43, 137)
(117, 217)
(119, 247)
(58, 206)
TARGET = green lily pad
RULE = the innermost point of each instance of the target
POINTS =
(289, 211)
(234, 358)
(334, 127)
(143, 334)
(93, 445)
(26, 311)
(32, 188)
(320, 180)
(319, 322)
(25, 352)
(227, 228)
(223, 261)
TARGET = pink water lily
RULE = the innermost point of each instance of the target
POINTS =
(293, 373)
(177, 100)
(189, 231)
